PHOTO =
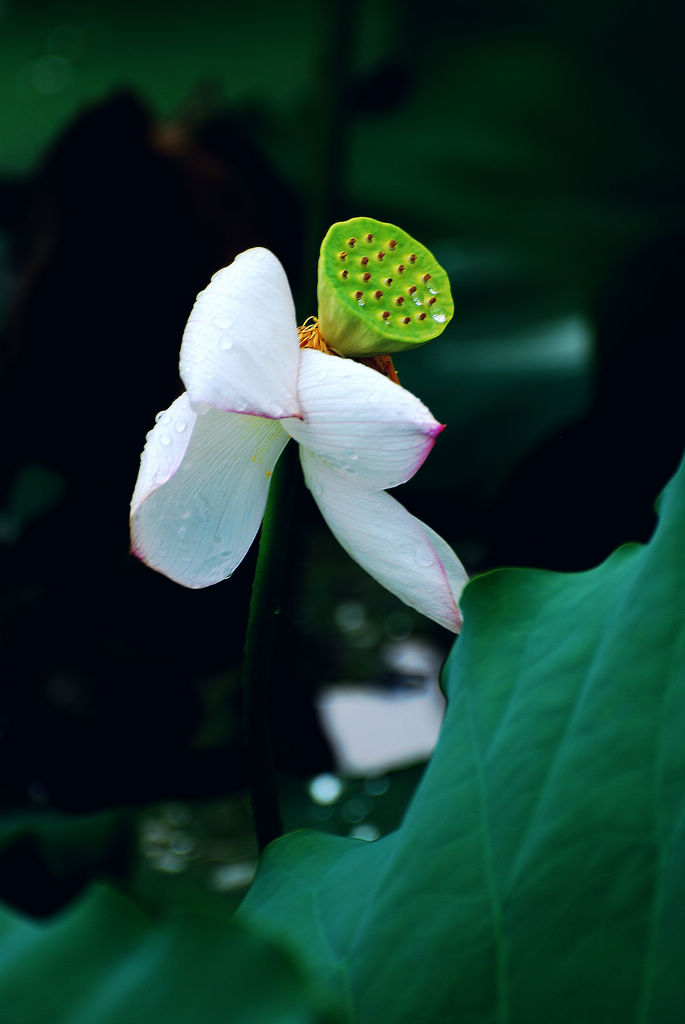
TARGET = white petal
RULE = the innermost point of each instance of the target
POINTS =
(240, 348)
(397, 549)
(201, 491)
(357, 420)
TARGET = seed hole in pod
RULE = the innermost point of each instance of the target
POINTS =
(369, 238)
(399, 300)
(364, 260)
(405, 319)
(342, 255)
(351, 242)
(401, 269)
(378, 294)
(358, 295)
(366, 276)
(412, 257)
(388, 281)
(411, 290)
(426, 277)
(385, 315)
(344, 274)
(392, 243)
(431, 300)
(421, 316)
(380, 255)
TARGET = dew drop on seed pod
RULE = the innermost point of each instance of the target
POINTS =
(439, 318)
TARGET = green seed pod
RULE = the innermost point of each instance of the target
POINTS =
(379, 290)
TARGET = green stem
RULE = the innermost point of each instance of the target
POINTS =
(260, 642)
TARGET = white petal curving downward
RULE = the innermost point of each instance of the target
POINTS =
(360, 422)
(397, 549)
(240, 348)
(201, 491)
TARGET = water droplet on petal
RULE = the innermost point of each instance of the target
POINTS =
(424, 556)
(164, 439)
(181, 426)
(223, 322)
(225, 344)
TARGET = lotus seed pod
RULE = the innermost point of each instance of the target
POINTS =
(379, 290)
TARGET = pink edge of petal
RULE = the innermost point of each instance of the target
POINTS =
(135, 549)
(458, 617)
(431, 435)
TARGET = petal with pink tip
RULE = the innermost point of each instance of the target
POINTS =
(402, 553)
(358, 421)
(201, 491)
(240, 350)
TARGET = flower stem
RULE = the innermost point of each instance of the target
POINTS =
(260, 642)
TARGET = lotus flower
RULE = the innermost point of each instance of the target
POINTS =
(205, 471)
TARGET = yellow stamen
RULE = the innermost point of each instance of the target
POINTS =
(310, 337)
(384, 365)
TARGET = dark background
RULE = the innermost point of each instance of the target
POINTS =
(537, 149)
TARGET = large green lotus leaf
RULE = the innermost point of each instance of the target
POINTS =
(104, 962)
(539, 874)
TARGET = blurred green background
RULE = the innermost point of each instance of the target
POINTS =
(536, 148)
